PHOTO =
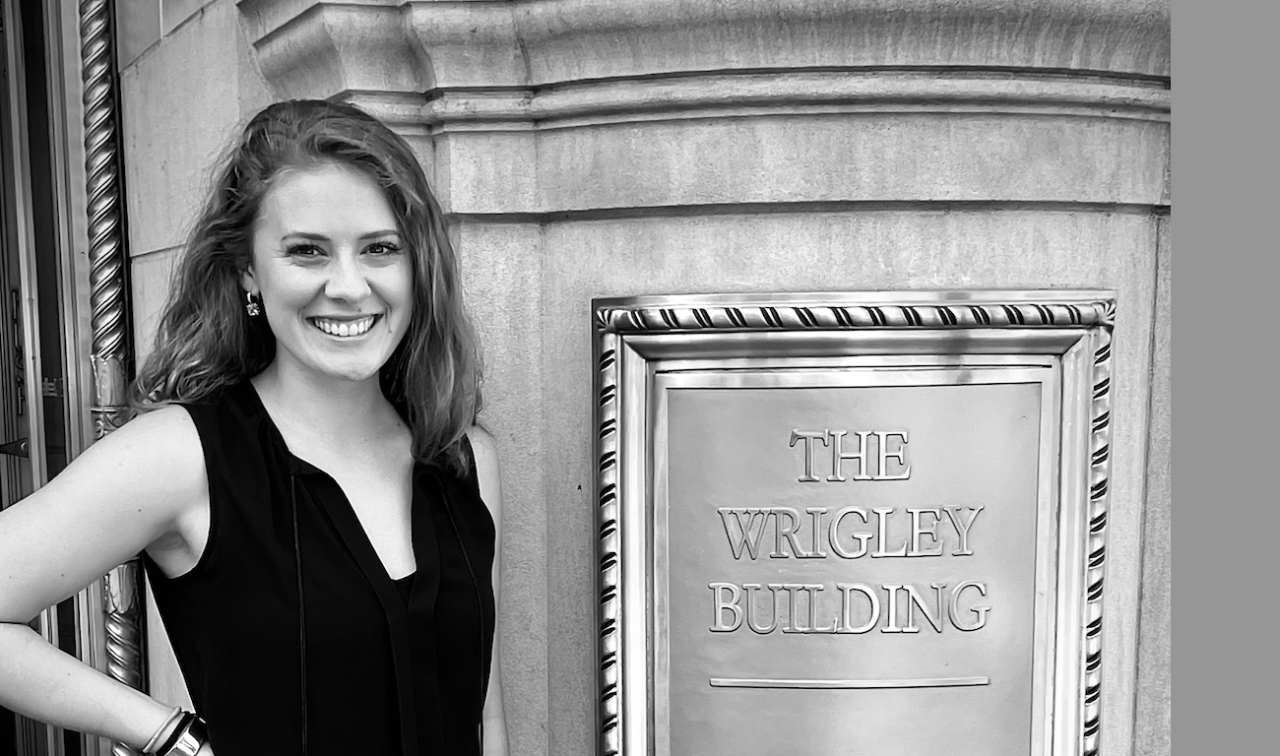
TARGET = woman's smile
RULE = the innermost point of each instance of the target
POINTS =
(345, 328)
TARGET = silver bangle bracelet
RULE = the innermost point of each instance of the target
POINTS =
(192, 737)
(162, 731)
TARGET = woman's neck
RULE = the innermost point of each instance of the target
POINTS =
(335, 413)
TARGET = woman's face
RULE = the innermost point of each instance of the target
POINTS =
(335, 279)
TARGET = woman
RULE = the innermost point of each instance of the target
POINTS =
(317, 512)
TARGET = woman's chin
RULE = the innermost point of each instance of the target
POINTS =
(348, 373)
(357, 376)
(324, 365)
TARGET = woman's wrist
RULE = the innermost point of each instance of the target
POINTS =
(138, 726)
(164, 731)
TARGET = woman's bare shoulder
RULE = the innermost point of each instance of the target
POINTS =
(485, 449)
(482, 443)
(155, 460)
(125, 492)
(171, 421)
(167, 434)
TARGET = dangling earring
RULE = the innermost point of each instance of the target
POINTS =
(251, 305)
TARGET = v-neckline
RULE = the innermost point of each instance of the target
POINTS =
(342, 519)
(343, 515)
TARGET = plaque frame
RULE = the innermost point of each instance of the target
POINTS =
(637, 338)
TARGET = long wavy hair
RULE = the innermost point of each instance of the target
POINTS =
(206, 340)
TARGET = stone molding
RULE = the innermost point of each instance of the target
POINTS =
(585, 105)
(764, 94)
(540, 64)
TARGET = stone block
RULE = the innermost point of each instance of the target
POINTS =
(180, 108)
(832, 158)
(137, 29)
(149, 277)
(811, 158)
(489, 173)
(173, 13)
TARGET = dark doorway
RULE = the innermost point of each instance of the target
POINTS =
(34, 410)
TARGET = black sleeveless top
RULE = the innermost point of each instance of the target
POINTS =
(289, 575)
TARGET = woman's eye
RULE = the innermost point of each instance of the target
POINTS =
(303, 250)
(383, 248)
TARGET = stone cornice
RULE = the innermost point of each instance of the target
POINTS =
(600, 38)
(540, 63)
(748, 94)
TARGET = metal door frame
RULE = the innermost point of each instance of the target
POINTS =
(24, 237)
(81, 81)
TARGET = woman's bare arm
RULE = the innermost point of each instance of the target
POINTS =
(144, 485)
(495, 720)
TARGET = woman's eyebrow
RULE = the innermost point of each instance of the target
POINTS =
(309, 236)
(304, 235)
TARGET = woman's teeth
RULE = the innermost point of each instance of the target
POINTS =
(344, 328)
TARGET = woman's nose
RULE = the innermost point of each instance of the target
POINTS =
(346, 279)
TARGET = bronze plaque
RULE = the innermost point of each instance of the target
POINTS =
(852, 523)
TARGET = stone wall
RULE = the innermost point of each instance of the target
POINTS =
(589, 148)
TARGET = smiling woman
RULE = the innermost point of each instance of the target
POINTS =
(334, 281)
(323, 541)
(343, 172)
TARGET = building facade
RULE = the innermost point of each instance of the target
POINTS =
(585, 148)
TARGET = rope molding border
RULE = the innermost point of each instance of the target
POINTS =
(759, 317)
(613, 323)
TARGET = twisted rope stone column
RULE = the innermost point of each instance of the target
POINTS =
(122, 591)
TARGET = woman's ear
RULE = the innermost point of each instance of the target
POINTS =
(247, 281)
